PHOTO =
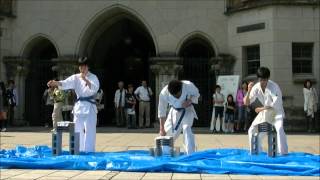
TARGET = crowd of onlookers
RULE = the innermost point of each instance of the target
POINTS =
(59, 105)
(125, 102)
(237, 117)
(232, 112)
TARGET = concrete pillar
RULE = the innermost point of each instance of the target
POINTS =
(223, 64)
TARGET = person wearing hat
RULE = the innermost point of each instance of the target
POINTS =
(86, 85)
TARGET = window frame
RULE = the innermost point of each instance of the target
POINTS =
(299, 59)
(248, 61)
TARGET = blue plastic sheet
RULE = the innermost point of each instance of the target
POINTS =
(214, 161)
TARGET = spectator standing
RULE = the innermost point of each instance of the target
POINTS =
(48, 108)
(143, 94)
(3, 107)
(310, 104)
(218, 101)
(100, 105)
(242, 109)
(58, 98)
(119, 103)
(13, 100)
(230, 111)
(130, 108)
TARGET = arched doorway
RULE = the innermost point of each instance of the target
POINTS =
(39, 51)
(196, 52)
(120, 51)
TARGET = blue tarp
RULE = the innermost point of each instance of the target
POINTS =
(213, 161)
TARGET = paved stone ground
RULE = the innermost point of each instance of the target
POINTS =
(115, 139)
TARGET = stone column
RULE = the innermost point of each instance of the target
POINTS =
(165, 69)
(215, 65)
(65, 66)
(222, 64)
(17, 69)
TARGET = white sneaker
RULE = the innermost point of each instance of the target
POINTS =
(4, 130)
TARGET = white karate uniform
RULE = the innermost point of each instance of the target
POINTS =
(271, 97)
(165, 98)
(85, 113)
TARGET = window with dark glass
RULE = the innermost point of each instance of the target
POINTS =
(252, 57)
(302, 58)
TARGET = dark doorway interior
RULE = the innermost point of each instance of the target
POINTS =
(121, 53)
(196, 54)
(39, 73)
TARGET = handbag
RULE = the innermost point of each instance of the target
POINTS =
(3, 116)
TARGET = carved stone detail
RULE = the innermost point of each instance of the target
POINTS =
(16, 66)
(222, 64)
(65, 66)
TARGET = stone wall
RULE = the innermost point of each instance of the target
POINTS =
(283, 26)
(69, 24)
(169, 22)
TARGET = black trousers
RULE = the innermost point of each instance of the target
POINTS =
(311, 123)
(3, 123)
(11, 114)
(48, 115)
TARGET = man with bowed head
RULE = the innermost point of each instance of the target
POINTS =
(86, 86)
(180, 95)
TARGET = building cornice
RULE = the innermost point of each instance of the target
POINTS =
(234, 6)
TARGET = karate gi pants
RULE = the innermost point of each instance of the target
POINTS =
(86, 126)
(185, 127)
(281, 136)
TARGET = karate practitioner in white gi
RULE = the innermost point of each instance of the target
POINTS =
(86, 86)
(180, 95)
(270, 96)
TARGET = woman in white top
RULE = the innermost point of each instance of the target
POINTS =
(218, 101)
(310, 104)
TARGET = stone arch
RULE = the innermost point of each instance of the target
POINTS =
(39, 50)
(112, 14)
(200, 36)
(34, 40)
(119, 44)
(196, 50)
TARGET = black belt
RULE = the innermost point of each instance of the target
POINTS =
(181, 117)
(144, 101)
(89, 99)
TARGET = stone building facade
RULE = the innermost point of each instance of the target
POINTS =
(131, 40)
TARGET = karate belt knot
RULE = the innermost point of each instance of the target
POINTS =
(89, 99)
